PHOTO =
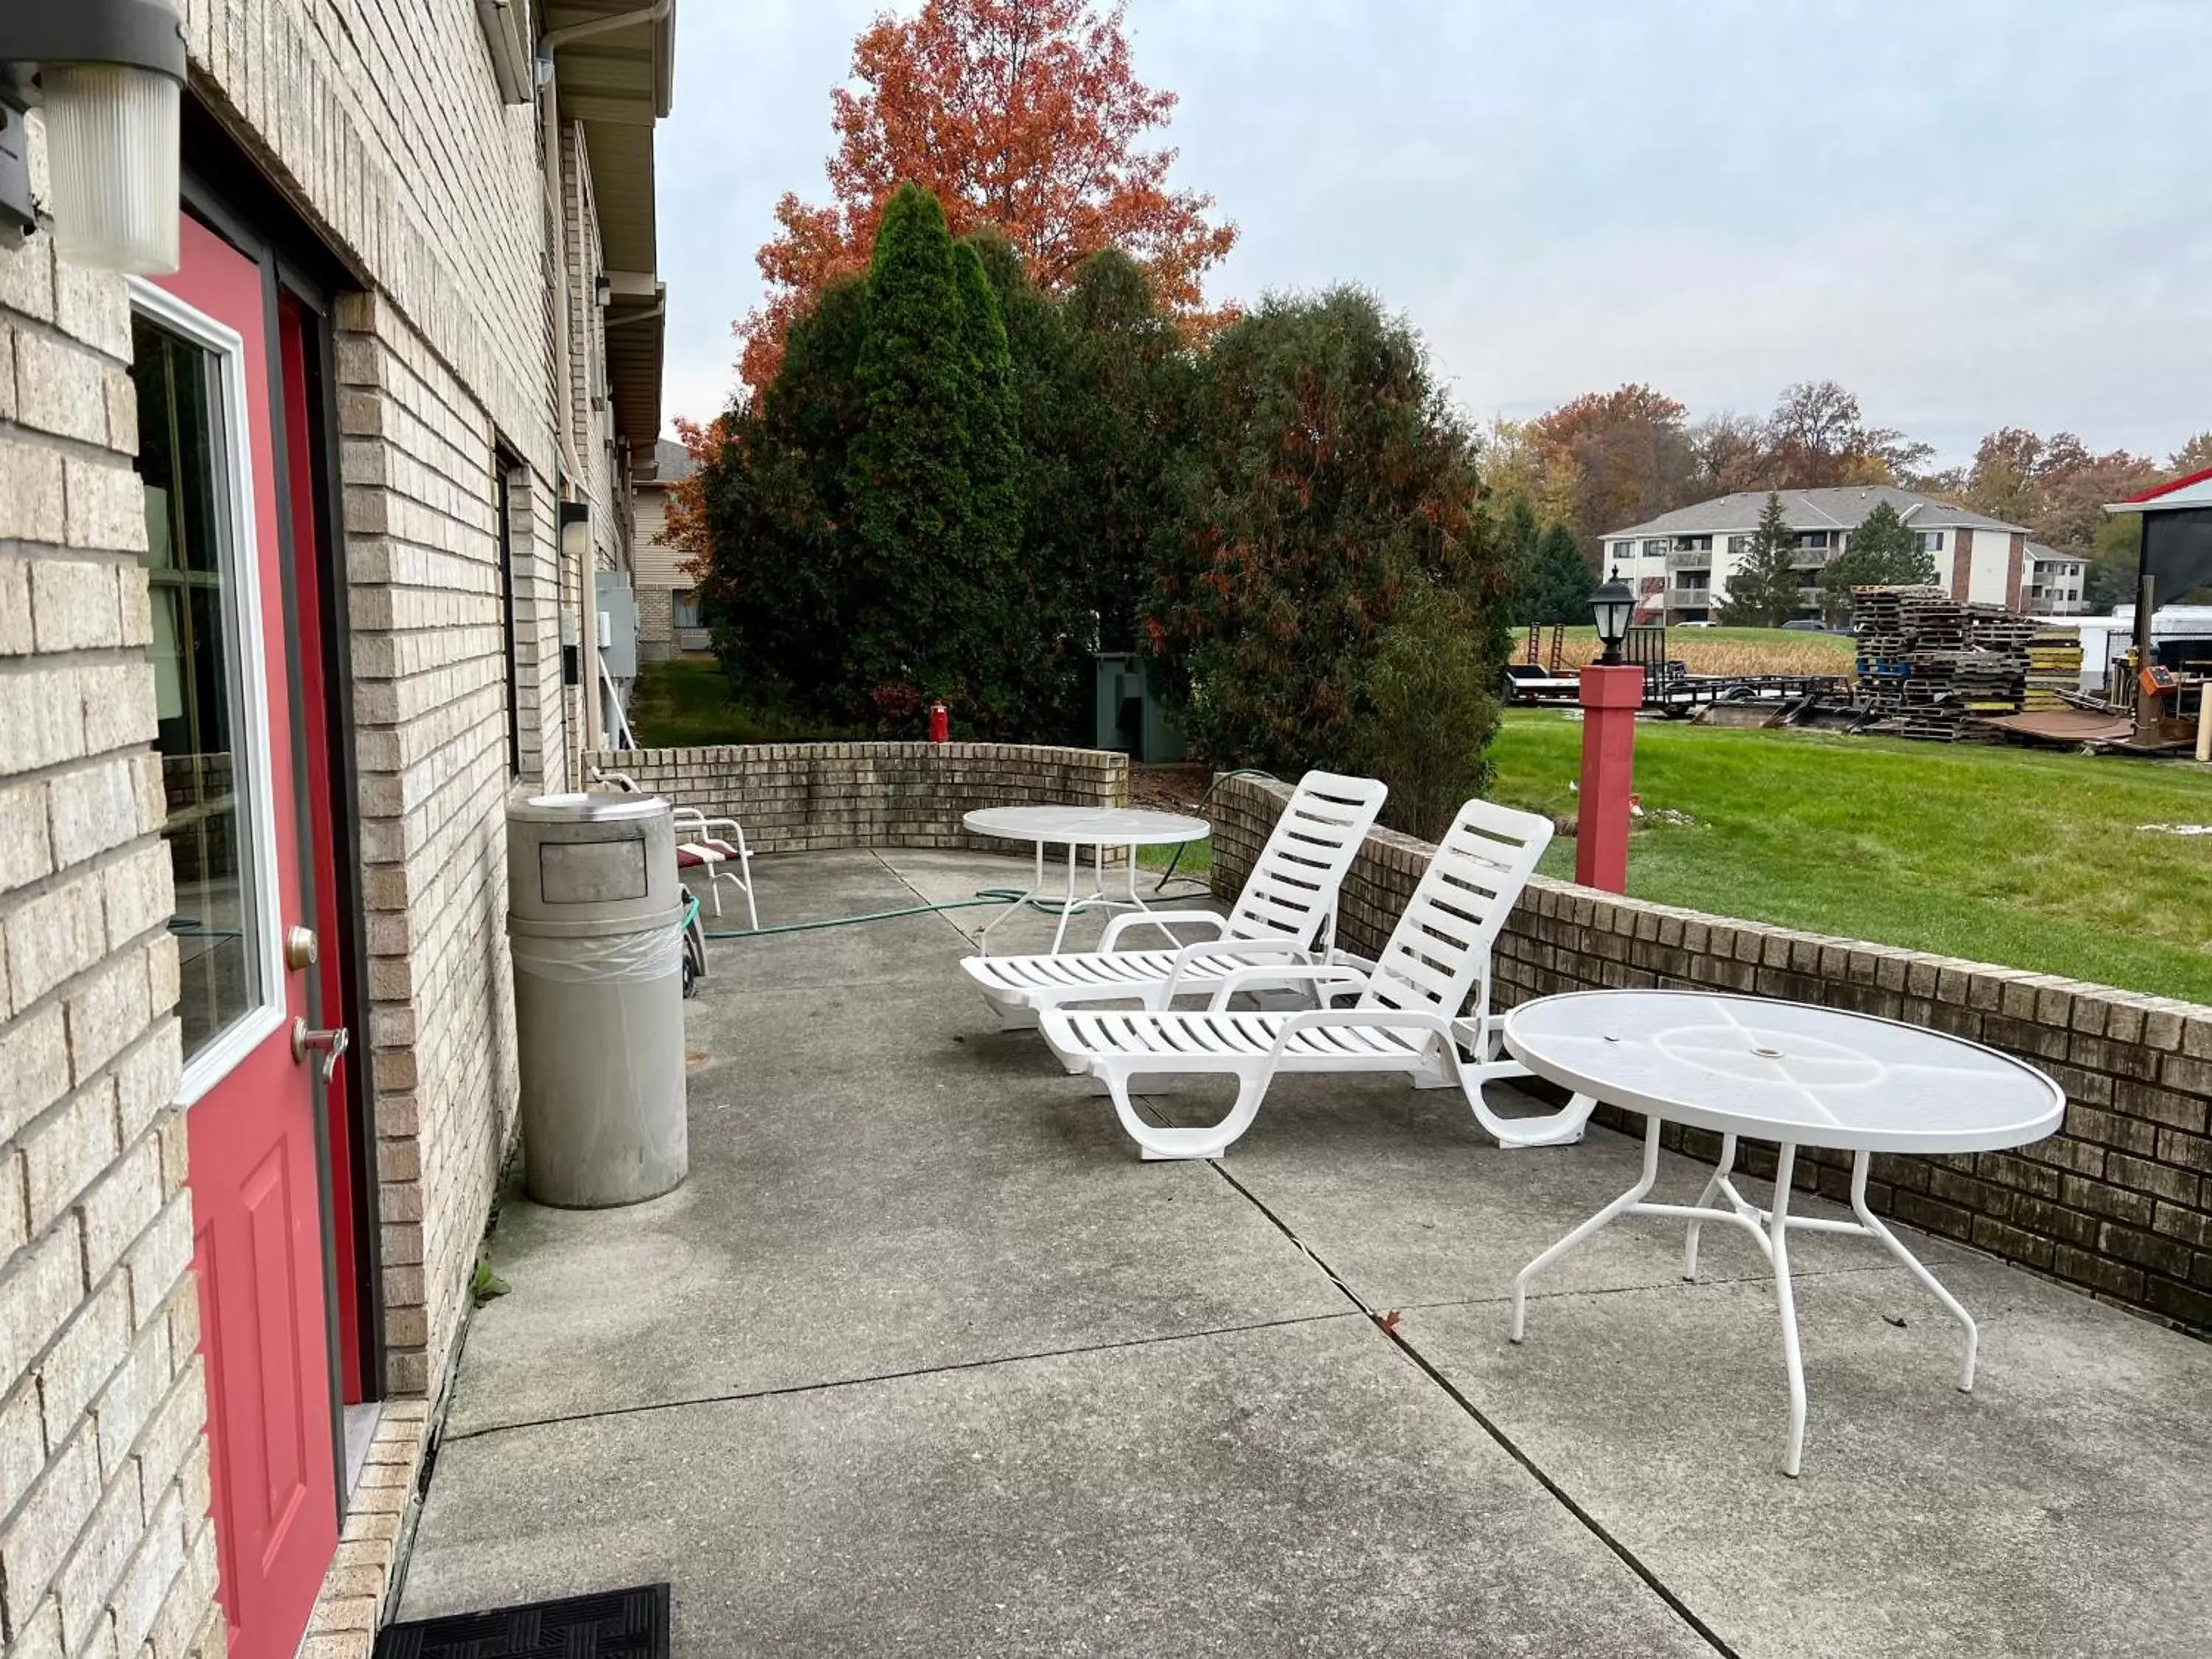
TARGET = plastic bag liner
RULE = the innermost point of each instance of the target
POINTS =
(631, 958)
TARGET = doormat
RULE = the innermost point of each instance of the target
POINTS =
(629, 1623)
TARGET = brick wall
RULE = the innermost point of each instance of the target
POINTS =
(656, 630)
(430, 712)
(379, 122)
(2119, 1202)
(105, 1541)
(808, 797)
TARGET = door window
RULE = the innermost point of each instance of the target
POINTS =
(187, 461)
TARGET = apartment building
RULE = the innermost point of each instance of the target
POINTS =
(2056, 582)
(668, 619)
(293, 539)
(1680, 562)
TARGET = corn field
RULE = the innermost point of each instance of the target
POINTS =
(1722, 650)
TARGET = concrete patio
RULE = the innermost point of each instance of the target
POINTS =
(922, 1359)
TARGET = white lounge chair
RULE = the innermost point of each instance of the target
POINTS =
(1407, 1018)
(1286, 913)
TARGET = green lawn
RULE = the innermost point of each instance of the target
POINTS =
(686, 703)
(2027, 859)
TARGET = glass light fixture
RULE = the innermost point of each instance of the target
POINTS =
(109, 76)
(1611, 606)
(575, 529)
(111, 154)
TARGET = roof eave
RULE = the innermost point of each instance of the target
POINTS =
(618, 83)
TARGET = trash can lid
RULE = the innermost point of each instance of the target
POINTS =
(580, 808)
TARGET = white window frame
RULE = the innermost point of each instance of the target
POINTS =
(251, 771)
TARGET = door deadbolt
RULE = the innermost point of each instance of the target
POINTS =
(300, 948)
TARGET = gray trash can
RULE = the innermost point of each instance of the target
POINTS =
(595, 919)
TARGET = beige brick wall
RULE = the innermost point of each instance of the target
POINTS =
(378, 121)
(656, 633)
(2119, 1202)
(809, 797)
(105, 1541)
(429, 700)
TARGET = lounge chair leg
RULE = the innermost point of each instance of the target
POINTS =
(1562, 1128)
(1157, 1144)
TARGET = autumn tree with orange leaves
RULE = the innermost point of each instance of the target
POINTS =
(1023, 116)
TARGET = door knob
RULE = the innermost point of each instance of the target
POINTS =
(329, 1045)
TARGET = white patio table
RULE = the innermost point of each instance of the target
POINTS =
(1789, 1074)
(1076, 828)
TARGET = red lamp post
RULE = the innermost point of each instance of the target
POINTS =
(1612, 692)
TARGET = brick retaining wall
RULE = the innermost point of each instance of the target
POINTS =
(810, 797)
(2119, 1202)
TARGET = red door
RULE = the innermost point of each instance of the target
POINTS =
(209, 456)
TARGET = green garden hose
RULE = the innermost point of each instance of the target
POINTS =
(984, 895)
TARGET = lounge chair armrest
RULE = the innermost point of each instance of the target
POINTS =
(1161, 919)
(1328, 982)
(1164, 994)
(1402, 1019)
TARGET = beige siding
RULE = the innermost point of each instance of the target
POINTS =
(658, 565)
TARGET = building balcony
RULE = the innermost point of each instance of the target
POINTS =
(1699, 559)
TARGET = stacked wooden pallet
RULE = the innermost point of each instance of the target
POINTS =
(2054, 665)
(1929, 663)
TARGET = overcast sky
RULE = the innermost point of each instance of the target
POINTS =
(1973, 213)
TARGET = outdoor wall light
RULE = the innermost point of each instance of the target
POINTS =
(575, 529)
(110, 76)
(1612, 605)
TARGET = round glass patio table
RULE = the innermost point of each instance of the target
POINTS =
(1076, 828)
(1781, 1072)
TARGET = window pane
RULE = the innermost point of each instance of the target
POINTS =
(183, 463)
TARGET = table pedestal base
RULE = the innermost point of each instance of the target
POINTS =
(1770, 1229)
(1069, 903)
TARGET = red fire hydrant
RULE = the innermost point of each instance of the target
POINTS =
(941, 722)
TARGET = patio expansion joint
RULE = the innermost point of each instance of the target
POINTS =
(1397, 1339)
(1703, 1281)
(738, 1396)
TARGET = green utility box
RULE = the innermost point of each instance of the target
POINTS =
(1130, 717)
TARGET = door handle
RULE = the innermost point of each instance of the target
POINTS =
(331, 1044)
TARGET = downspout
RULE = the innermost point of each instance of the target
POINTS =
(576, 480)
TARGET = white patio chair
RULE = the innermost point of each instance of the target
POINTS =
(709, 845)
(1407, 1018)
(1286, 913)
